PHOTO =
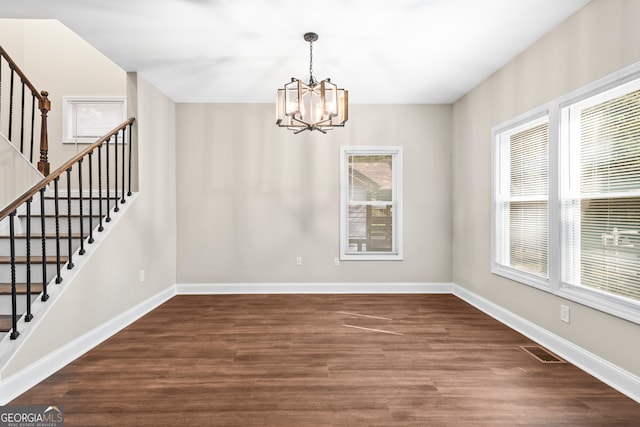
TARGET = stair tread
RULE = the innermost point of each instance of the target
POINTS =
(21, 288)
(34, 259)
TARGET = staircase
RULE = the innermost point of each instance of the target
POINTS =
(49, 252)
(42, 231)
(29, 280)
(45, 243)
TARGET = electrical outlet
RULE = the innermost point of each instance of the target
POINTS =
(336, 261)
(564, 313)
(141, 275)
(298, 261)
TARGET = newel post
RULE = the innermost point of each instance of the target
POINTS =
(45, 106)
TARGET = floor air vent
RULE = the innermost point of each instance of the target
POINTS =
(542, 354)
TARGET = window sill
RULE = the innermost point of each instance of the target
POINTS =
(521, 277)
(371, 257)
(620, 307)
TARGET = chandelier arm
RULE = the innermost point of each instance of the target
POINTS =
(299, 121)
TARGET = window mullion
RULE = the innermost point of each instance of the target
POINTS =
(554, 205)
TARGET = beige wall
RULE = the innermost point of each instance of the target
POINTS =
(12, 38)
(252, 197)
(17, 174)
(144, 238)
(600, 39)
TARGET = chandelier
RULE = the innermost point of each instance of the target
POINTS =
(315, 106)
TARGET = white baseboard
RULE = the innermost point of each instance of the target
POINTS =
(610, 374)
(621, 380)
(312, 288)
(28, 377)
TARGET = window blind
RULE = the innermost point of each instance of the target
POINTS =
(528, 200)
(609, 223)
(529, 162)
(610, 146)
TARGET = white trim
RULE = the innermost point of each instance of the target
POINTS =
(605, 371)
(396, 203)
(312, 288)
(68, 108)
(500, 135)
(28, 377)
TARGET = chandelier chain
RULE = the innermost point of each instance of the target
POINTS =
(312, 81)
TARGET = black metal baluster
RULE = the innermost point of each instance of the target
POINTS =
(57, 221)
(29, 316)
(11, 104)
(14, 296)
(70, 237)
(90, 197)
(100, 227)
(130, 144)
(81, 208)
(123, 165)
(115, 171)
(22, 120)
(43, 229)
(108, 218)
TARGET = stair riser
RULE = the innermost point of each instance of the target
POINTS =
(36, 246)
(63, 208)
(21, 303)
(50, 224)
(21, 272)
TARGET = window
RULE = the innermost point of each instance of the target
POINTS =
(87, 119)
(371, 203)
(601, 192)
(566, 196)
(521, 195)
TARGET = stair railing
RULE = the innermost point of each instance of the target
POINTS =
(22, 135)
(84, 183)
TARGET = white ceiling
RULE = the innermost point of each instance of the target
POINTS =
(382, 51)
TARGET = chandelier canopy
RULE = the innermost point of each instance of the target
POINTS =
(314, 106)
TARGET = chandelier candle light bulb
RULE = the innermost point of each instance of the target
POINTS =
(314, 106)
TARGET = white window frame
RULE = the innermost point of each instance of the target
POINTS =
(397, 219)
(569, 286)
(559, 174)
(69, 103)
(500, 137)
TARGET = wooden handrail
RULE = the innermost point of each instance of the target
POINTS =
(70, 217)
(44, 105)
(14, 66)
(62, 169)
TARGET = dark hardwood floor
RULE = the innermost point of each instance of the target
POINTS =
(317, 360)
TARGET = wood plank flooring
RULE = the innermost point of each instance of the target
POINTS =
(289, 360)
